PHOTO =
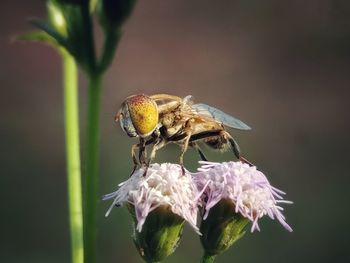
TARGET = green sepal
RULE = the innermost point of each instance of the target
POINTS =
(222, 228)
(160, 235)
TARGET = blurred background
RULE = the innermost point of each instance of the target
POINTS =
(280, 66)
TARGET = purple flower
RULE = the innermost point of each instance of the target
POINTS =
(164, 186)
(247, 188)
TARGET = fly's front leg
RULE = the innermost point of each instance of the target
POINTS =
(157, 145)
(134, 159)
(142, 151)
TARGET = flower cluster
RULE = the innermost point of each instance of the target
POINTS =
(163, 185)
(247, 188)
(162, 197)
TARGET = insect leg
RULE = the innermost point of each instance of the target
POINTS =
(142, 151)
(139, 146)
(184, 149)
(201, 154)
(244, 160)
(236, 150)
(157, 145)
(235, 147)
(134, 159)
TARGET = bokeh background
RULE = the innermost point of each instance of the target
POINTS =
(281, 66)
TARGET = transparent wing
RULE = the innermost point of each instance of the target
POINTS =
(227, 120)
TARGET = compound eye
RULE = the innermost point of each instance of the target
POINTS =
(143, 113)
(126, 122)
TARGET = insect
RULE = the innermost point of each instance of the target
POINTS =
(161, 119)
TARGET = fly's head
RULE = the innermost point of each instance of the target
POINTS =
(138, 116)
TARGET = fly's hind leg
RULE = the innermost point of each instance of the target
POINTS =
(236, 150)
(201, 154)
(244, 160)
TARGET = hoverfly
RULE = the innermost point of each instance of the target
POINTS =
(161, 119)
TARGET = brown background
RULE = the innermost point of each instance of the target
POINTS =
(281, 66)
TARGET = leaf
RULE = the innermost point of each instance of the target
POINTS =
(46, 28)
(38, 36)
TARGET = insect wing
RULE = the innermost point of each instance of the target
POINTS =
(227, 120)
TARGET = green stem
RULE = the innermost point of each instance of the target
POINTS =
(208, 258)
(73, 156)
(89, 43)
(91, 166)
(112, 38)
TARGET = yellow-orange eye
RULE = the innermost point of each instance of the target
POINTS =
(143, 113)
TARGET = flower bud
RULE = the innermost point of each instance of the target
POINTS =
(234, 194)
(221, 228)
(160, 234)
(57, 18)
(113, 13)
(159, 202)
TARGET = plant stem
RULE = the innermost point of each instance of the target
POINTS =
(208, 258)
(112, 38)
(91, 166)
(89, 44)
(73, 156)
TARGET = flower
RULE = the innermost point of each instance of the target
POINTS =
(246, 187)
(164, 186)
(57, 18)
(160, 202)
